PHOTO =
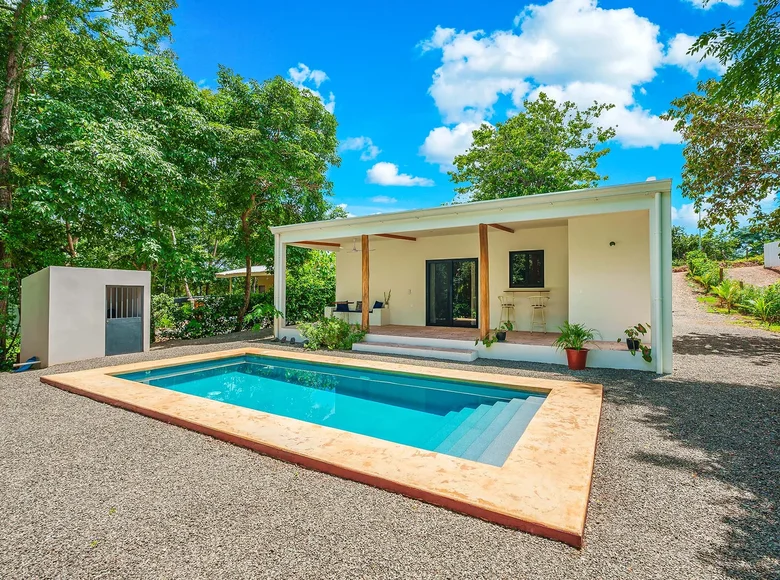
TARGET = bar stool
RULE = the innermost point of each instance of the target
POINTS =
(539, 311)
(507, 310)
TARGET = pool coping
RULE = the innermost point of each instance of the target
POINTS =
(542, 488)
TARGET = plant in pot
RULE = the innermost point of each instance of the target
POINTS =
(503, 328)
(573, 339)
(634, 336)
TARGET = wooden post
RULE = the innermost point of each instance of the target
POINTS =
(366, 305)
(484, 282)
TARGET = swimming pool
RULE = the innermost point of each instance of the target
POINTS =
(472, 421)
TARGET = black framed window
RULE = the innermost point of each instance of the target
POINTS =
(526, 269)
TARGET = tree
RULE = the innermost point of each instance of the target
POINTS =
(547, 147)
(34, 34)
(276, 143)
(732, 162)
(750, 55)
(682, 243)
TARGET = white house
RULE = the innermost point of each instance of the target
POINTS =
(772, 255)
(600, 257)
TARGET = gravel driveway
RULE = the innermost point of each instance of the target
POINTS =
(685, 486)
(756, 275)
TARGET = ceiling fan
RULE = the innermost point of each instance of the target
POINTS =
(355, 249)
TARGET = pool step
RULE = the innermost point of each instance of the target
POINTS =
(462, 429)
(455, 354)
(451, 421)
(501, 446)
(491, 431)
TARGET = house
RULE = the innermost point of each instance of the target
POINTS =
(262, 279)
(600, 257)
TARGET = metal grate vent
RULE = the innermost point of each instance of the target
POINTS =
(124, 302)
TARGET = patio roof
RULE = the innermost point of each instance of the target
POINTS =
(542, 209)
(241, 272)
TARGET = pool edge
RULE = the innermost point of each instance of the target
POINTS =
(572, 536)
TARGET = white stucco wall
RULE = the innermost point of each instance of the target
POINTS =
(35, 317)
(77, 311)
(772, 255)
(610, 285)
(400, 266)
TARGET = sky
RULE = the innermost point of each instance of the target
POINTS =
(409, 81)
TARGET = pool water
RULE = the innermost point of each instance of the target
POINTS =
(469, 420)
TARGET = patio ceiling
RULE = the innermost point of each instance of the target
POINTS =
(410, 236)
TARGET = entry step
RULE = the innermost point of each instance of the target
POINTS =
(454, 354)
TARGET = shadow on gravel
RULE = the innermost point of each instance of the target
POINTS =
(738, 427)
(759, 349)
(246, 336)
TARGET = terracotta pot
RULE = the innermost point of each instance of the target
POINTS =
(577, 358)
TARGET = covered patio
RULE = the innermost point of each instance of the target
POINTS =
(600, 257)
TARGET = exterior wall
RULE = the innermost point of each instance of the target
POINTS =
(77, 315)
(610, 285)
(35, 317)
(772, 255)
(399, 266)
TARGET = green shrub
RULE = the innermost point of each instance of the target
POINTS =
(705, 271)
(331, 333)
(763, 303)
(162, 313)
(728, 292)
(213, 315)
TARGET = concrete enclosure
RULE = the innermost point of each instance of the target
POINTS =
(66, 311)
(772, 255)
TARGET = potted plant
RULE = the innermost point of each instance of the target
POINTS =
(634, 336)
(573, 339)
(503, 328)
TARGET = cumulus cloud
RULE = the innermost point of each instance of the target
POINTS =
(443, 143)
(384, 199)
(365, 145)
(686, 216)
(708, 5)
(304, 77)
(563, 46)
(384, 173)
(677, 55)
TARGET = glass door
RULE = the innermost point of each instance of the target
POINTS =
(451, 294)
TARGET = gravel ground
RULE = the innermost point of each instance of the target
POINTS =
(755, 275)
(685, 485)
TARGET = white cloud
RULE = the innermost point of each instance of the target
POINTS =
(686, 216)
(677, 55)
(700, 3)
(344, 207)
(305, 78)
(365, 145)
(384, 199)
(384, 173)
(567, 44)
(443, 143)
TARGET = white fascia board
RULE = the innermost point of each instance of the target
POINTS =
(536, 207)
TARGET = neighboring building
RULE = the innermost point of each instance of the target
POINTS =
(71, 314)
(262, 280)
(772, 255)
(601, 257)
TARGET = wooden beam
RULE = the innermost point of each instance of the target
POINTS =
(484, 282)
(396, 237)
(366, 305)
(327, 244)
(502, 228)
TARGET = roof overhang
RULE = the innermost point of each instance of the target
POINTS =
(530, 210)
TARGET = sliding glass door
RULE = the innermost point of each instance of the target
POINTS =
(451, 292)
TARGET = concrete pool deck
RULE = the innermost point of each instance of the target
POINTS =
(542, 488)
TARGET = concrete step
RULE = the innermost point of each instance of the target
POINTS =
(455, 354)
(450, 423)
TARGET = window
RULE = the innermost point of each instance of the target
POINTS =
(526, 269)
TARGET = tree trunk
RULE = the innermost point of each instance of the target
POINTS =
(6, 188)
(248, 278)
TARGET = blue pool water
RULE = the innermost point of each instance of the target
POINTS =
(468, 420)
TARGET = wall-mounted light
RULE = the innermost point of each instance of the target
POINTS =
(611, 244)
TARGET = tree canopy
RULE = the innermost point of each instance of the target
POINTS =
(548, 146)
(732, 160)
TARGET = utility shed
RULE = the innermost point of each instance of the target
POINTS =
(71, 314)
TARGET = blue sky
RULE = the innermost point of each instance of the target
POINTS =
(408, 81)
